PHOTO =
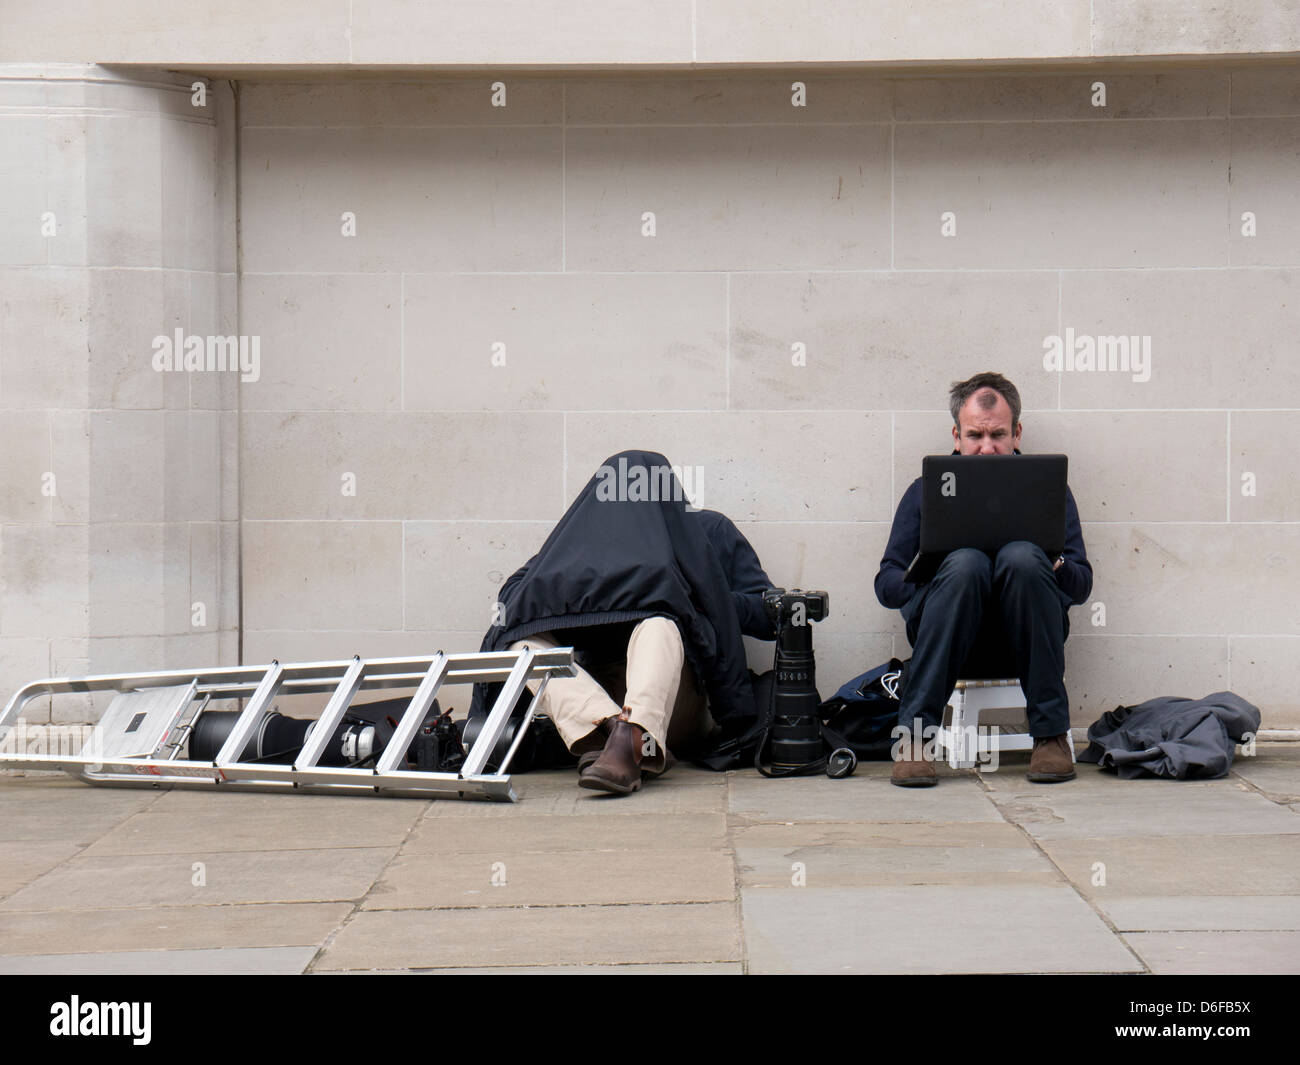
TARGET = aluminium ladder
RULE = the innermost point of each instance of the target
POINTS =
(139, 738)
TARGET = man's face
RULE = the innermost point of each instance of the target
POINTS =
(986, 430)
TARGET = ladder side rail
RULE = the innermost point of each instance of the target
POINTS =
(500, 662)
(125, 682)
(552, 662)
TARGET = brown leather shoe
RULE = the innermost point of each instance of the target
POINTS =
(601, 733)
(914, 772)
(618, 767)
(650, 767)
(1051, 762)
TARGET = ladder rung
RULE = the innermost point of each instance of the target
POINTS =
(414, 716)
(331, 715)
(232, 750)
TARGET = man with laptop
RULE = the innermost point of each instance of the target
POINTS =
(985, 582)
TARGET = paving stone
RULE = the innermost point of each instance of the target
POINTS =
(1274, 769)
(235, 961)
(869, 834)
(1028, 928)
(684, 790)
(847, 867)
(1235, 953)
(859, 798)
(564, 878)
(538, 935)
(1202, 913)
(528, 832)
(1013, 765)
(1153, 808)
(66, 810)
(24, 862)
(172, 927)
(1181, 865)
(245, 822)
(233, 876)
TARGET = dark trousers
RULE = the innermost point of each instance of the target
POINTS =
(982, 617)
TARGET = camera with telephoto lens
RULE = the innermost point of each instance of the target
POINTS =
(796, 735)
(358, 740)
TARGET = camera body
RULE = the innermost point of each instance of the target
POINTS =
(795, 606)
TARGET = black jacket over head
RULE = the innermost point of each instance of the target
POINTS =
(629, 548)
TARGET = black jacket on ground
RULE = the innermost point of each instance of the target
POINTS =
(610, 561)
(1172, 737)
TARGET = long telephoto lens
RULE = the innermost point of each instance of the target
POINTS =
(796, 728)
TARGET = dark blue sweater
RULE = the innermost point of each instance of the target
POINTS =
(1074, 576)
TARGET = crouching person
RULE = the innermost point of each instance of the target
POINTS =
(654, 596)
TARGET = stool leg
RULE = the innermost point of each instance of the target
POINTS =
(958, 757)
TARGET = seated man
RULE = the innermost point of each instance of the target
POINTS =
(976, 603)
(654, 598)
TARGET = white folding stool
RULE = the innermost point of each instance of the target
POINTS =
(961, 739)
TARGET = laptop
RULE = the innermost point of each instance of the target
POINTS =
(986, 502)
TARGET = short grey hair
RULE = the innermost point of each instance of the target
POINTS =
(963, 390)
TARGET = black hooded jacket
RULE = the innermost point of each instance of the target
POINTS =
(629, 548)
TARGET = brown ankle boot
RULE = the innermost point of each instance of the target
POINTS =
(911, 772)
(1051, 762)
(656, 759)
(914, 762)
(618, 768)
(602, 731)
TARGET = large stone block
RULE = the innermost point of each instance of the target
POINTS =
(322, 574)
(325, 342)
(365, 466)
(1266, 183)
(776, 197)
(773, 466)
(1218, 338)
(565, 342)
(1060, 195)
(424, 199)
(885, 341)
(830, 31)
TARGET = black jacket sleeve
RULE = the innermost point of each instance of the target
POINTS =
(904, 540)
(744, 573)
(1075, 574)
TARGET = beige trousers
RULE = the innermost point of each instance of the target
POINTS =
(655, 684)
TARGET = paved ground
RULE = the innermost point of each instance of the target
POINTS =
(700, 872)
